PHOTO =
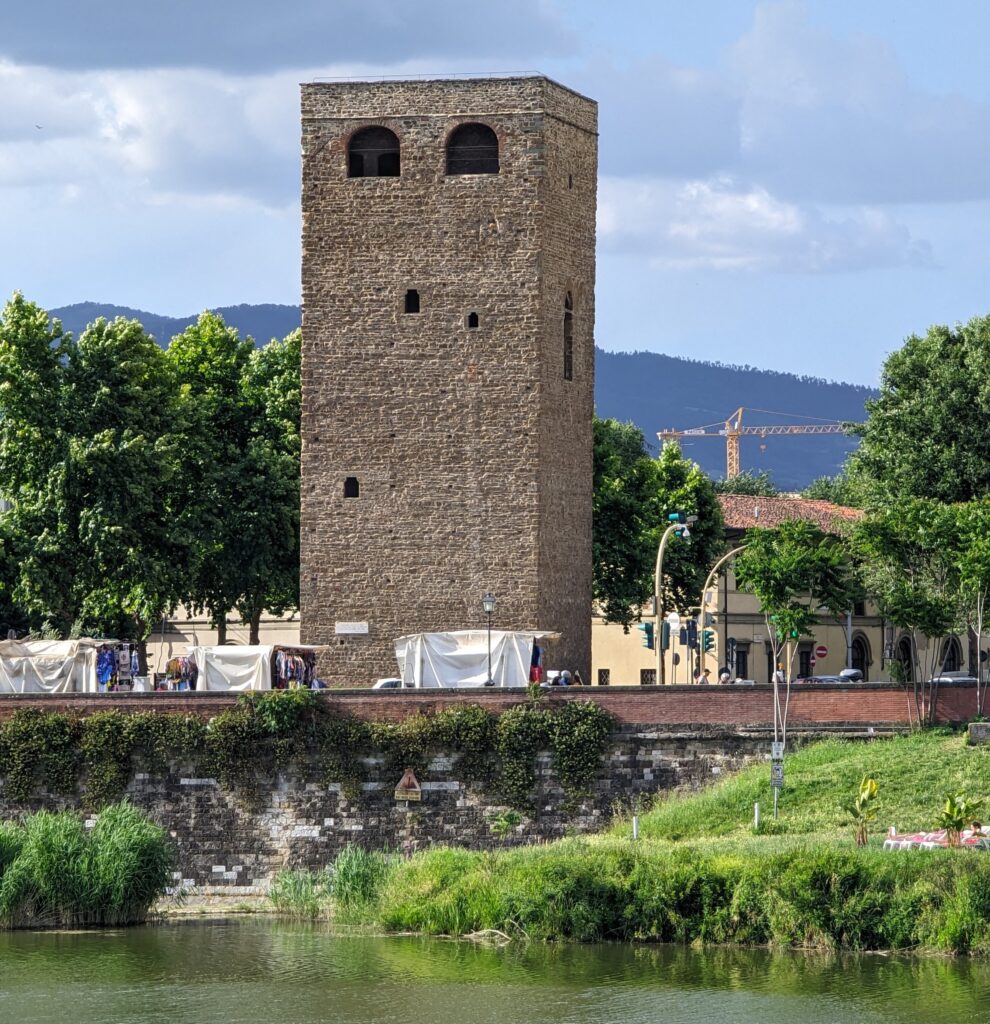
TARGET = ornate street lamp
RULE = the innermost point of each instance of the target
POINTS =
(488, 605)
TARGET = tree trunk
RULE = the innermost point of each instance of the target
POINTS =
(255, 626)
(221, 624)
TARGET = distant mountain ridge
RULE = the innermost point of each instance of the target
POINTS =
(262, 322)
(654, 391)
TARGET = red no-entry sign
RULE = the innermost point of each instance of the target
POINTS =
(820, 651)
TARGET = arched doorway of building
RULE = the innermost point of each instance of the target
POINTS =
(951, 659)
(905, 657)
(861, 655)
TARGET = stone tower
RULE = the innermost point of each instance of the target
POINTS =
(448, 364)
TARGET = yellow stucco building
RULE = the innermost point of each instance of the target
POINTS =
(861, 640)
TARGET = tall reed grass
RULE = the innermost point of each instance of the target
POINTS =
(812, 896)
(56, 873)
(346, 890)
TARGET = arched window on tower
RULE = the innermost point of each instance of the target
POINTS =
(568, 337)
(472, 149)
(373, 153)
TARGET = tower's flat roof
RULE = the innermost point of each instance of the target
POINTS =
(465, 79)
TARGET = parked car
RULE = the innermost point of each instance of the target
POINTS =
(391, 683)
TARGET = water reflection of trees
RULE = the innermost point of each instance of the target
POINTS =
(364, 978)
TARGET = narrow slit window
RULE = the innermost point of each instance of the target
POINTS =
(373, 153)
(472, 321)
(568, 337)
(352, 489)
(412, 301)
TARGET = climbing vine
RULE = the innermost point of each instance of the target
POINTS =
(263, 733)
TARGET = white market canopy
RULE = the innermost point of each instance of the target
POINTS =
(236, 666)
(49, 666)
(460, 657)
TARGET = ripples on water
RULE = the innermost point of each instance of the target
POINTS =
(279, 973)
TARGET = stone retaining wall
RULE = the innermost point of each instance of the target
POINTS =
(227, 845)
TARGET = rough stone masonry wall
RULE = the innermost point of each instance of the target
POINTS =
(472, 456)
(228, 846)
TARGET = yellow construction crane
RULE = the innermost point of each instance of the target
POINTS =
(733, 429)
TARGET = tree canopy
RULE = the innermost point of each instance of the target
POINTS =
(633, 495)
(138, 478)
(89, 438)
(758, 484)
(924, 435)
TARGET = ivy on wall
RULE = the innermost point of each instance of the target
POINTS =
(267, 732)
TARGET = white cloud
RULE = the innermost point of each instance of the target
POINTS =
(836, 119)
(718, 224)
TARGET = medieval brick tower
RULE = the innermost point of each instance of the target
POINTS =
(448, 364)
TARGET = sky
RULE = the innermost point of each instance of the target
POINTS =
(790, 185)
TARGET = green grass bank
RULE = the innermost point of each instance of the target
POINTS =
(700, 874)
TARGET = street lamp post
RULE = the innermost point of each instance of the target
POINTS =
(679, 525)
(488, 605)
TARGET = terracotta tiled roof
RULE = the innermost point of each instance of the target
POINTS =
(741, 512)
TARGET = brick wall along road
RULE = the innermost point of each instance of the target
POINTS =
(829, 705)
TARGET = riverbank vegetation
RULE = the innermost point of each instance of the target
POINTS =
(700, 873)
(56, 873)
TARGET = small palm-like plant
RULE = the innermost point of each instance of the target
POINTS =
(863, 809)
(958, 812)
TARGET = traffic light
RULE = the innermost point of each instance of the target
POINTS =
(708, 640)
(664, 636)
(794, 634)
(647, 630)
(692, 634)
(677, 517)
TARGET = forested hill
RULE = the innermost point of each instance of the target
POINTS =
(262, 322)
(654, 391)
(660, 392)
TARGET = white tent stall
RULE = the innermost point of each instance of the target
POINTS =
(459, 658)
(238, 667)
(48, 666)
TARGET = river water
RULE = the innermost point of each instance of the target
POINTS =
(258, 970)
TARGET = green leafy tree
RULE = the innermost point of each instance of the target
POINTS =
(796, 571)
(633, 495)
(909, 557)
(758, 485)
(841, 489)
(623, 516)
(240, 471)
(681, 486)
(269, 536)
(924, 435)
(208, 360)
(972, 562)
(89, 440)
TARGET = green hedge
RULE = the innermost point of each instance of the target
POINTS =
(265, 732)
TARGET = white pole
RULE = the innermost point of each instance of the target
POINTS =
(756, 816)
(635, 826)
